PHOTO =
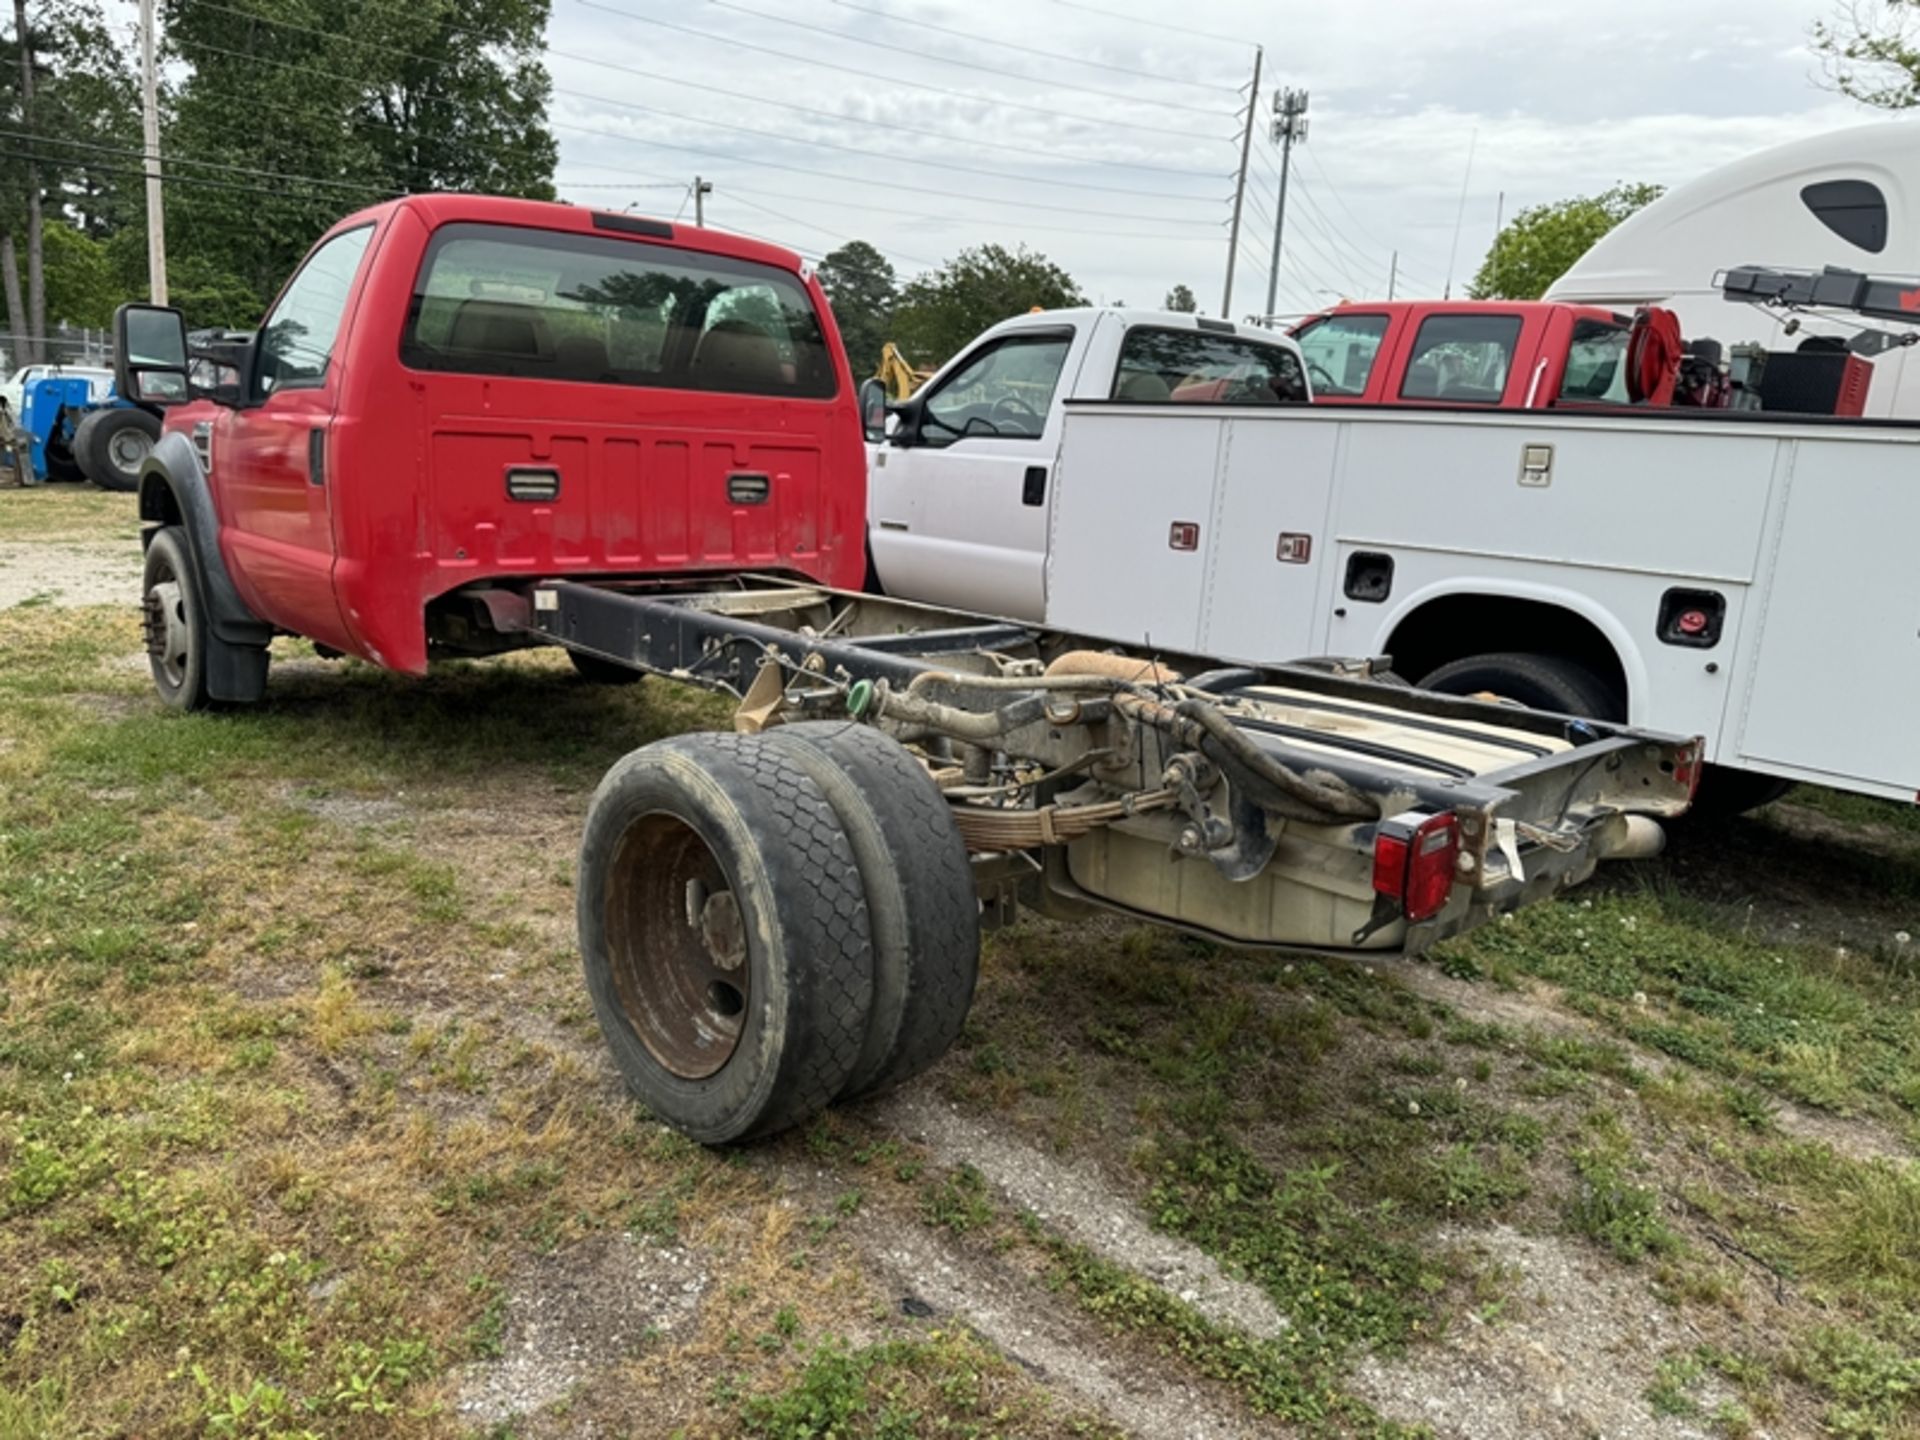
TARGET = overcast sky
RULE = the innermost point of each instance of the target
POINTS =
(924, 126)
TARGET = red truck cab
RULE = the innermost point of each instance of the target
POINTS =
(457, 394)
(1510, 354)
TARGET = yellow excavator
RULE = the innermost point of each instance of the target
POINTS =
(896, 372)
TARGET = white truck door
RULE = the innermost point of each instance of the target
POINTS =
(959, 507)
(1271, 537)
(1833, 672)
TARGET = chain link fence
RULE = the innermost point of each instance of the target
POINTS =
(64, 345)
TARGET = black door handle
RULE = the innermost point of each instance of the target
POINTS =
(1034, 490)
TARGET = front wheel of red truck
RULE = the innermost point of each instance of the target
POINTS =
(174, 616)
(724, 932)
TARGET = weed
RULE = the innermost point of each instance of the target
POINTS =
(957, 1199)
(1870, 1387)
(1620, 1214)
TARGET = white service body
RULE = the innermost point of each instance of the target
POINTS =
(1804, 529)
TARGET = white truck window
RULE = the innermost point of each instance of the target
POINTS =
(1004, 390)
(1340, 352)
(1201, 367)
(1462, 358)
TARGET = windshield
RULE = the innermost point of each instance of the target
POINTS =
(1340, 351)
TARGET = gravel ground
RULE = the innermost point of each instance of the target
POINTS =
(69, 573)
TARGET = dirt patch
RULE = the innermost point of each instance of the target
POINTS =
(1572, 1352)
(571, 1315)
(1084, 1205)
(69, 575)
(1053, 1344)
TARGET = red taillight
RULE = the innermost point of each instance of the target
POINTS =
(1414, 859)
(1687, 768)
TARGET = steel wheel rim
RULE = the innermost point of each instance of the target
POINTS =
(168, 634)
(127, 448)
(676, 947)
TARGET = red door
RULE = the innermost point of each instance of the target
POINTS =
(270, 454)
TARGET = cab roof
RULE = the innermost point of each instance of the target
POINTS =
(440, 209)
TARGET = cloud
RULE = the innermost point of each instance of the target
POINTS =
(818, 121)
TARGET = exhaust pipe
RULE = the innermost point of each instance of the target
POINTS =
(1630, 837)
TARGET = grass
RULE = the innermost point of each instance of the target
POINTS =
(67, 513)
(1827, 1025)
(297, 1085)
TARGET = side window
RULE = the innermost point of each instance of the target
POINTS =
(1462, 358)
(1205, 367)
(1340, 351)
(1005, 390)
(1855, 210)
(296, 342)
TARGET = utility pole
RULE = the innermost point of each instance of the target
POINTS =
(701, 189)
(150, 126)
(1289, 125)
(34, 323)
(1240, 186)
(1393, 274)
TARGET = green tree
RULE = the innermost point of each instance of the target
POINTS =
(862, 288)
(1180, 299)
(329, 105)
(64, 84)
(1872, 52)
(1539, 244)
(943, 309)
(82, 283)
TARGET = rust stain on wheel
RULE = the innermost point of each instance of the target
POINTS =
(676, 946)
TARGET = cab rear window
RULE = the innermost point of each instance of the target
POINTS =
(538, 305)
(1202, 367)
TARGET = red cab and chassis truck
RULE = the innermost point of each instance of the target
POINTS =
(469, 425)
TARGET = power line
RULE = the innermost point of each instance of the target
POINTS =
(842, 36)
(932, 217)
(919, 24)
(1154, 24)
(190, 180)
(775, 135)
(975, 142)
(1159, 130)
(127, 151)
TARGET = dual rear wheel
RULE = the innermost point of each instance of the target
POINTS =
(770, 923)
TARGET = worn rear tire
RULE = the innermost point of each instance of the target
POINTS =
(921, 903)
(724, 935)
(1539, 682)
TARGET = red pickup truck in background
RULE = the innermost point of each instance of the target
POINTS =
(1537, 355)
(1512, 354)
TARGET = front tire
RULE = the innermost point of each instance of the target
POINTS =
(174, 615)
(1539, 682)
(725, 936)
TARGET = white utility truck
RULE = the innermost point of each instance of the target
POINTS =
(1733, 574)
